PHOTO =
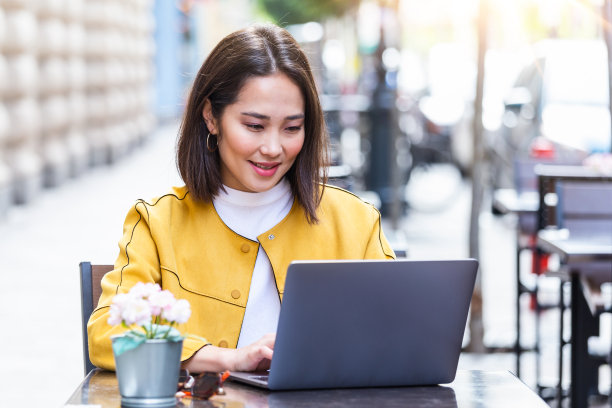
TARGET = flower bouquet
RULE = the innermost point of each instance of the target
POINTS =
(148, 313)
(147, 355)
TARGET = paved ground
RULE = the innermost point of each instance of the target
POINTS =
(41, 245)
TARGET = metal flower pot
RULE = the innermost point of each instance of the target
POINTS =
(148, 375)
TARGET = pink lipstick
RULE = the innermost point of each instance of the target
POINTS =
(265, 169)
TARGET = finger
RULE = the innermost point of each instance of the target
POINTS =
(263, 365)
(269, 339)
(266, 353)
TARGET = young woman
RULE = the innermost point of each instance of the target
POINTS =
(252, 152)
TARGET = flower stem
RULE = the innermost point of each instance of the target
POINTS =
(168, 331)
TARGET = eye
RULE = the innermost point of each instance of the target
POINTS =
(294, 129)
(254, 126)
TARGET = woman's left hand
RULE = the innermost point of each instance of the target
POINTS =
(256, 356)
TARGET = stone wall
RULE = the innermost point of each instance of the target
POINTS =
(75, 89)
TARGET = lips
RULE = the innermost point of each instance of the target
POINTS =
(265, 169)
(265, 166)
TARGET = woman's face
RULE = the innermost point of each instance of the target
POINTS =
(261, 134)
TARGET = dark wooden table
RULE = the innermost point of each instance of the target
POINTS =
(584, 322)
(473, 389)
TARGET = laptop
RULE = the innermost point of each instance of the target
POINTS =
(369, 324)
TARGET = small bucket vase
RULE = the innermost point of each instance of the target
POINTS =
(148, 375)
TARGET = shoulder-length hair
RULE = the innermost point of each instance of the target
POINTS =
(260, 50)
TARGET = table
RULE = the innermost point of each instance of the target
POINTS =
(548, 177)
(473, 389)
(584, 323)
(572, 248)
(507, 201)
(535, 213)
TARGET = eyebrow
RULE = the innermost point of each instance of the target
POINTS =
(266, 117)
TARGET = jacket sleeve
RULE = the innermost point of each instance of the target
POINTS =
(377, 247)
(138, 261)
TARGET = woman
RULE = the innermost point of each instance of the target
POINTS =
(252, 151)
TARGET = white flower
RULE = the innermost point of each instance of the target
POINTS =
(179, 312)
(160, 301)
(121, 299)
(144, 290)
(115, 315)
(147, 306)
(136, 311)
(116, 308)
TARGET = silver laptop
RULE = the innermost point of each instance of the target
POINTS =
(369, 324)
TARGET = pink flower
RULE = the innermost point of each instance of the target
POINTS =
(115, 315)
(143, 306)
(179, 312)
(136, 311)
(144, 290)
(121, 299)
(160, 301)
(116, 308)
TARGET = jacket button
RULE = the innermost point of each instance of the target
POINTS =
(223, 343)
(245, 248)
(235, 293)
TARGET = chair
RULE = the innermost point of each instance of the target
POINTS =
(91, 275)
(585, 209)
(526, 185)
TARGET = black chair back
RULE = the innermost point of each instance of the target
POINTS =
(91, 289)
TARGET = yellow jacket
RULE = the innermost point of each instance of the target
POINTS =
(184, 246)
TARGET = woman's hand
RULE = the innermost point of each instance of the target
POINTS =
(254, 357)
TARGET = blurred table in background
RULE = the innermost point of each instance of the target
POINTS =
(507, 201)
(578, 250)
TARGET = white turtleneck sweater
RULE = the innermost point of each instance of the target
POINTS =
(249, 215)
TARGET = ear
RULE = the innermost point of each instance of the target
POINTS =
(210, 120)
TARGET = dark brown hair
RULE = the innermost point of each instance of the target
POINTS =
(260, 50)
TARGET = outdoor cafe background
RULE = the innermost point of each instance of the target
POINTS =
(85, 84)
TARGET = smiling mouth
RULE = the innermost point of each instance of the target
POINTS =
(265, 166)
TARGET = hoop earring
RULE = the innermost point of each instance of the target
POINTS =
(211, 149)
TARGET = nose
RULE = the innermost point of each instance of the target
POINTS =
(271, 145)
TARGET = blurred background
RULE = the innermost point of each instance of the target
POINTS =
(84, 82)
(428, 104)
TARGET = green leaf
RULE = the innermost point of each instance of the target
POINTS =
(129, 341)
(135, 337)
(298, 11)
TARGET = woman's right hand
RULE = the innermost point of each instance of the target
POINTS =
(254, 357)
